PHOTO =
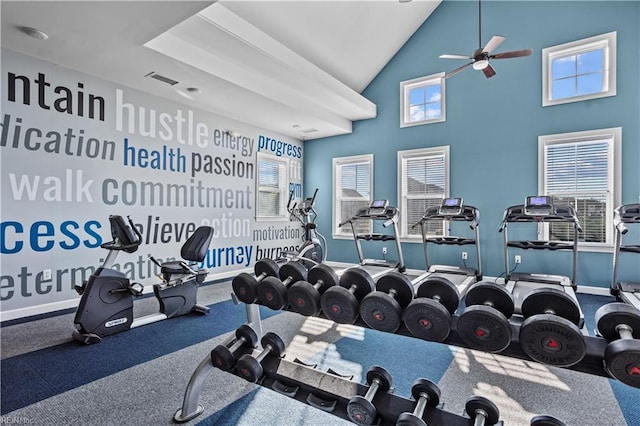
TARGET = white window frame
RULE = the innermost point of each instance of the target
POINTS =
(607, 42)
(405, 88)
(403, 156)
(614, 135)
(345, 232)
(284, 186)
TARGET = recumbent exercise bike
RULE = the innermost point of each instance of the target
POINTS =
(106, 305)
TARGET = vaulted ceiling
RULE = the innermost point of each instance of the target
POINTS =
(296, 67)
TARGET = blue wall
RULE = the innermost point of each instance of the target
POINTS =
(493, 124)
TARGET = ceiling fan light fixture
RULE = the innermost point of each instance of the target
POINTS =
(480, 64)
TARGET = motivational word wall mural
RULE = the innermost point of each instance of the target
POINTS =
(76, 149)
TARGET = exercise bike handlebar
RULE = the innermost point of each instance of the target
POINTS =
(313, 200)
(289, 202)
(126, 238)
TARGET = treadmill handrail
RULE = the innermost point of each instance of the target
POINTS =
(622, 215)
(560, 214)
(390, 217)
(467, 214)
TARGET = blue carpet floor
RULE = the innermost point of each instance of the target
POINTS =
(35, 381)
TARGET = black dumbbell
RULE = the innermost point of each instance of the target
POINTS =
(550, 333)
(272, 292)
(223, 356)
(619, 323)
(382, 309)
(340, 303)
(245, 286)
(428, 316)
(484, 323)
(304, 297)
(249, 367)
(426, 393)
(544, 420)
(482, 411)
(360, 409)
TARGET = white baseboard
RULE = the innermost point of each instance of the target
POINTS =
(72, 303)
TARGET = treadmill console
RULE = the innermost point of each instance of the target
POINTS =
(450, 207)
(538, 205)
(378, 207)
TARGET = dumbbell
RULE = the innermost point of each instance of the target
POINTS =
(340, 303)
(482, 411)
(382, 309)
(245, 286)
(544, 420)
(272, 292)
(304, 297)
(428, 316)
(360, 409)
(619, 323)
(223, 356)
(426, 393)
(550, 333)
(249, 367)
(484, 323)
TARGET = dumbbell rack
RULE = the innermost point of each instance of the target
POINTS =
(331, 393)
(323, 390)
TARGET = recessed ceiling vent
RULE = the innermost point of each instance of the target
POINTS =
(162, 78)
(311, 130)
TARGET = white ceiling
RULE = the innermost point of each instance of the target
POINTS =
(296, 67)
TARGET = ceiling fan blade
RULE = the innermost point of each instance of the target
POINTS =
(512, 54)
(457, 70)
(455, 57)
(489, 71)
(493, 43)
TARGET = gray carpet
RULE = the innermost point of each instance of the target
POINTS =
(150, 393)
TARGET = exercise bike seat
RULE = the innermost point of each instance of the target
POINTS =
(193, 250)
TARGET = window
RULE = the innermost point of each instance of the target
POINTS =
(352, 189)
(422, 100)
(582, 169)
(580, 70)
(423, 183)
(272, 188)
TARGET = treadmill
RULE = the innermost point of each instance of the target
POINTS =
(540, 210)
(378, 211)
(453, 209)
(625, 291)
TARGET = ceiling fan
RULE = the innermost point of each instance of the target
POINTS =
(481, 56)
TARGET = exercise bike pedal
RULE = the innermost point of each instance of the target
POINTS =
(201, 309)
(135, 289)
(80, 288)
(86, 338)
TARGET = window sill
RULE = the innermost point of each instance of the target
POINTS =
(342, 236)
(272, 219)
(596, 248)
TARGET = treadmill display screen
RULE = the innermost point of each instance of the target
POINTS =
(538, 201)
(452, 202)
(379, 204)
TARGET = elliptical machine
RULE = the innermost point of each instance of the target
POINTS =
(312, 251)
(106, 305)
